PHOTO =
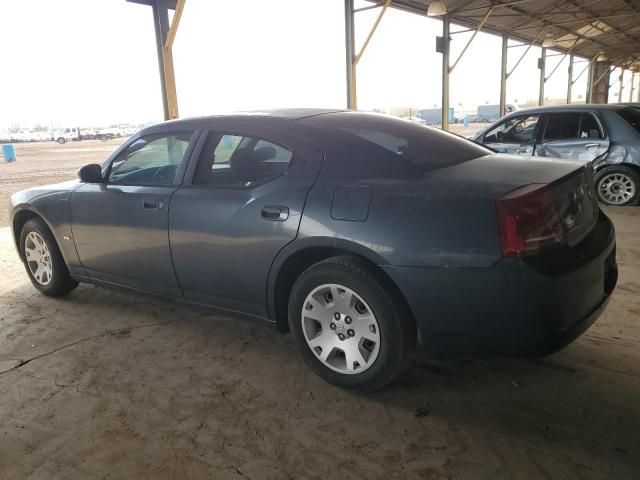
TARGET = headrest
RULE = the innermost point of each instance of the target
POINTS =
(263, 154)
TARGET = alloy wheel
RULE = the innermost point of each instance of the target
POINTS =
(616, 188)
(340, 328)
(38, 258)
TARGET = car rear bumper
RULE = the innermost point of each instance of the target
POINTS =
(520, 307)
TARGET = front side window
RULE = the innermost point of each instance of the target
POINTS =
(562, 126)
(150, 160)
(240, 161)
(518, 130)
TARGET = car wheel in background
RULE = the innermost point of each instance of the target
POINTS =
(61, 140)
(346, 325)
(618, 185)
(43, 261)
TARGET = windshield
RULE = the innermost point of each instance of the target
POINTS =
(423, 147)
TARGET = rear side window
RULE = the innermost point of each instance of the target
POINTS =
(422, 147)
(632, 117)
(240, 161)
(561, 126)
(589, 128)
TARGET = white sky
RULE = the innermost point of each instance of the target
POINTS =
(93, 62)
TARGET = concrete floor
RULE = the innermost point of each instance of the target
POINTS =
(110, 385)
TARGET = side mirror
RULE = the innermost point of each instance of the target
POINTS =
(91, 174)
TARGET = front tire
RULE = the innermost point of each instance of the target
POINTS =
(43, 261)
(618, 185)
(347, 326)
(61, 140)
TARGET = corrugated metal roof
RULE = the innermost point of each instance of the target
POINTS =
(586, 27)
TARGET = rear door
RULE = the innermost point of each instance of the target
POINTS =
(240, 204)
(513, 135)
(572, 135)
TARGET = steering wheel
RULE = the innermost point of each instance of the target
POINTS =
(518, 128)
(164, 175)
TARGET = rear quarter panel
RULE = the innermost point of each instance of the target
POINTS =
(625, 141)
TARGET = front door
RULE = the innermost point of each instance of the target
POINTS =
(241, 208)
(514, 135)
(572, 135)
(120, 227)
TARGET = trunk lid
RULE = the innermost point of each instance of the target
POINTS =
(571, 183)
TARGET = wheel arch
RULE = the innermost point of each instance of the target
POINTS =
(634, 166)
(294, 259)
(21, 217)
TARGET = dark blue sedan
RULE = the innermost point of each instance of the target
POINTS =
(363, 235)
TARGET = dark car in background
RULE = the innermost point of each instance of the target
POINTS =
(364, 235)
(608, 136)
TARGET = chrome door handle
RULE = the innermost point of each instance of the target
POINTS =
(152, 204)
(592, 145)
(525, 150)
(275, 213)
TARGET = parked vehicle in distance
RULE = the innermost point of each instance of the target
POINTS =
(491, 113)
(608, 136)
(66, 134)
(44, 136)
(128, 131)
(364, 235)
(105, 134)
(433, 116)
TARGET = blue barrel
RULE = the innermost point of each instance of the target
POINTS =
(466, 121)
(8, 152)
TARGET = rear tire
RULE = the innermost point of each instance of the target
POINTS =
(61, 140)
(618, 185)
(365, 339)
(43, 261)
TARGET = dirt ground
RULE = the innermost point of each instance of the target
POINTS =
(101, 384)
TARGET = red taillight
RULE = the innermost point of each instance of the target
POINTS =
(528, 220)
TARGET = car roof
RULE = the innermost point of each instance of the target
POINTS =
(584, 107)
(280, 113)
(266, 116)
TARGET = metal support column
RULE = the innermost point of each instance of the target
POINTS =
(445, 71)
(621, 82)
(161, 24)
(169, 72)
(541, 66)
(590, 80)
(350, 48)
(503, 74)
(632, 88)
(570, 81)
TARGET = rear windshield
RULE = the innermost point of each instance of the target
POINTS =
(423, 147)
(632, 117)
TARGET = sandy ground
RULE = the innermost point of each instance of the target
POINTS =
(102, 384)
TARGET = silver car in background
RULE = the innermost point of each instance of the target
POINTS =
(606, 135)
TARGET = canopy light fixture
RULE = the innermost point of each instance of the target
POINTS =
(602, 58)
(548, 41)
(436, 9)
